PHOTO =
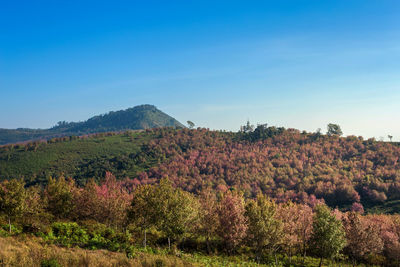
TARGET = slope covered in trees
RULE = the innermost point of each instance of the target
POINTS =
(257, 194)
(284, 164)
(136, 118)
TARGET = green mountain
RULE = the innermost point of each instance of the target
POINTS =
(136, 118)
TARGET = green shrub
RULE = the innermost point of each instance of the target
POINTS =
(103, 237)
(5, 230)
(50, 263)
(67, 234)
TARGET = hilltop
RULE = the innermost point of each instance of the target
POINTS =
(136, 118)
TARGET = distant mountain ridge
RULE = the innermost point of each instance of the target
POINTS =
(136, 118)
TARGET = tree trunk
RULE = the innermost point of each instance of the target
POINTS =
(9, 223)
(169, 243)
(304, 252)
(208, 245)
(276, 259)
(145, 239)
(320, 262)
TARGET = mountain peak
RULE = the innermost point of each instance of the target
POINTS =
(134, 118)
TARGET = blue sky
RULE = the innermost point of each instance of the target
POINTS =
(292, 63)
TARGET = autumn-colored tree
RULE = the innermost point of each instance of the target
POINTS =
(113, 201)
(59, 197)
(328, 236)
(297, 226)
(265, 231)
(362, 238)
(34, 218)
(232, 221)
(208, 223)
(87, 202)
(12, 199)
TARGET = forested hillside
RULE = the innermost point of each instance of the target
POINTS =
(136, 118)
(281, 163)
(254, 196)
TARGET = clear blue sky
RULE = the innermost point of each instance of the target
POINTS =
(299, 64)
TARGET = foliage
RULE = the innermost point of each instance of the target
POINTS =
(297, 227)
(52, 262)
(12, 199)
(232, 221)
(328, 236)
(59, 196)
(67, 234)
(284, 164)
(363, 238)
(208, 223)
(334, 129)
(265, 230)
(175, 210)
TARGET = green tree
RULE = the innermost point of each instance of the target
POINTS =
(328, 237)
(141, 211)
(334, 129)
(59, 197)
(264, 231)
(175, 210)
(12, 199)
(190, 124)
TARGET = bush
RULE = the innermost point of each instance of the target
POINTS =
(67, 234)
(5, 230)
(50, 263)
(103, 237)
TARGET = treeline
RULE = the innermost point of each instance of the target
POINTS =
(115, 216)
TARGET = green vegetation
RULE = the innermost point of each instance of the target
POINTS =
(239, 233)
(136, 118)
(81, 158)
(208, 197)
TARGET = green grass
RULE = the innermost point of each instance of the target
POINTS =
(389, 207)
(78, 158)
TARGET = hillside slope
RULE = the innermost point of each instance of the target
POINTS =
(136, 118)
(284, 164)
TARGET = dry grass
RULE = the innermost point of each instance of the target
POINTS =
(28, 251)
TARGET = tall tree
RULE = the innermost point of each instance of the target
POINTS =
(232, 221)
(114, 201)
(12, 199)
(363, 238)
(176, 210)
(208, 223)
(297, 226)
(264, 231)
(328, 237)
(142, 210)
(59, 197)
